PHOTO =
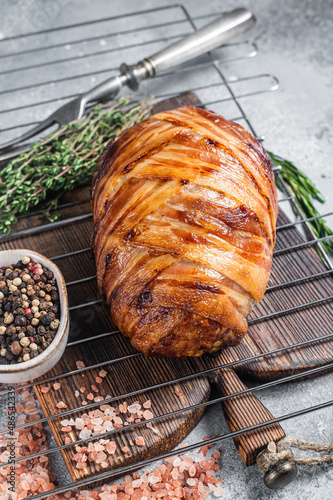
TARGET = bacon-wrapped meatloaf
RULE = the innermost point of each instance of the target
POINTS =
(184, 207)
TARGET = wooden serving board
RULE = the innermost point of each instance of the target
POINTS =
(138, 373)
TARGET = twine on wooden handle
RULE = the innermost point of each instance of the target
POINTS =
(281, 452)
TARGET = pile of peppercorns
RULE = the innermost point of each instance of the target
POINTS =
(29, 310)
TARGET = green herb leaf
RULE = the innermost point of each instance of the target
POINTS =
(305, 192)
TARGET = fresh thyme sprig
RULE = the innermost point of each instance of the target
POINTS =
(63, 160)
(305, 194)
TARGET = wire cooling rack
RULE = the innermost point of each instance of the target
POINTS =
(58, 64)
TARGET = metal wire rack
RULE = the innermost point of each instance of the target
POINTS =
(82, 61)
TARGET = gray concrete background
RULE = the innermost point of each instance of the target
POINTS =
(295, 44)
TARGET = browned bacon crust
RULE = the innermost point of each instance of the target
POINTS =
(184, 208)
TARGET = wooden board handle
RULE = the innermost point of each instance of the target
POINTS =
(245, 411)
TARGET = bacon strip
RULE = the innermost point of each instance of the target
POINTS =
(184, 208)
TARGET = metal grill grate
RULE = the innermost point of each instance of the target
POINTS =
(41, 57)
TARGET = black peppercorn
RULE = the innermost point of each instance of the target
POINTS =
(10, 330)
(9, 356)
(41, 330)
(46, 319)
(20, 320)
(53, 309)
(30, 331)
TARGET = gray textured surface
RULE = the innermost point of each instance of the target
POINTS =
(295, 43)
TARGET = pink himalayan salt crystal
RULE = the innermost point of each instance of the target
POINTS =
(217, 454)
(123, 407)
(177, 462)
(76, 394)
(85, 434)
(101, 456)
(192, 471)
(25, 485)
(134, 408)
(79, 424)
(98, 399)
(219, 492)
(67, 440)
(19, 408)
(191, 482)
(94, 388)
(137, 483)
(271, 447)
(82, 389)
(147, 415)
(139, 440)
(84, 403)
(98, 380)
(80, 365)
(179, 393)
(90, 396)
(4, 457)
(56, 386)
(103, 373)
(99, 447)
(81, 465)
(147, 404)
(68, 428)
(125, 449)
(61, 404)
(111, 447)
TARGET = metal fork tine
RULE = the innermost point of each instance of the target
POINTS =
(34, 131)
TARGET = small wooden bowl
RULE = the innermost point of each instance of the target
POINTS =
(34, 368)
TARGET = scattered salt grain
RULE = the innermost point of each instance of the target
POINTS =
(219, 492)
(134, 408)
(56, 386)
(139, 440)
(191, 482)
(61, 404)
(45, 389)
(79, 424)
(111, 447)
(80, 365)
(271, 447)
(85, 434)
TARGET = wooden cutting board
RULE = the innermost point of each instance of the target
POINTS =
(138, 373)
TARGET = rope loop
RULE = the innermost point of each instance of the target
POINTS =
(281, 452)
